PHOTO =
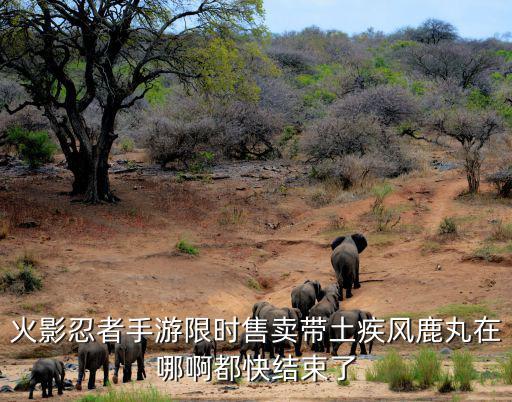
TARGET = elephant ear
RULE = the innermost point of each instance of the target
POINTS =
(360, 242)
(337, 242)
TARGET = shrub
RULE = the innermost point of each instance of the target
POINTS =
(177, 141)
(127, 144)
(393, 370)
(463, 370)
(445, 383)
(427, 368)
(447, 226)
(506, 369)
(253, 284)
(502, 181)
(383, 215)
(502, 231)
(133, 395)
(22, 279)
(185, 247)
(34, 147)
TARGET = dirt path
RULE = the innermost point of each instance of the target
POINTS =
(121, 260)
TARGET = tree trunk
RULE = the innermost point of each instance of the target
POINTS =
(473, 173)
(98, 183)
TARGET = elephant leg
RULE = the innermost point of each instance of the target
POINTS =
(31, 389)
(92, 379)
(44, 386)
(357, 284)
(117, 364)
(127, 372)
(50, 387)
(59, 383)
(271, 348)
(363, 348)
(335, 347)
(81, 374)
(327, 344)
(348, 289)
(105, 373)
(140, 368)
(281, 350)
(353, 348)
(298, 344)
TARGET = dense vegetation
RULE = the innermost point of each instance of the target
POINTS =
(358, 107)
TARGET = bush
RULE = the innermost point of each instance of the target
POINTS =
(133, 395)
(447, 226)
(393, 370)
(177, 141)
(185, 247)
(127, 144)
(502, 181)
(22, 279)
(502, 231)
(463, 370)
(445, 384)
(427, 368)
(506, 369)
(34, 147)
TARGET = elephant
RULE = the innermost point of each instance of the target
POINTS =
(304, 297)
(206, 348)
(126, 352)
(44, 371)
(345, 261)
(272, 316)
(353, 319)
(260, 308)
(92, 356)
(324, 309)
(245, 346)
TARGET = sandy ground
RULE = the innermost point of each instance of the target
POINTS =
(257, 224)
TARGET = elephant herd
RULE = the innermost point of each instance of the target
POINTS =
(313, 301)
(92, 356)
(307, 300)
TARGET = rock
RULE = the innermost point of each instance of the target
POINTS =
(152, 360)
(68, 384)
(5, 389)
(227, 388)
(439, 267)
(28, 225)
(445, 351)
(71, 366)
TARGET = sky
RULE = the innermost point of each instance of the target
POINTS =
(474, 19)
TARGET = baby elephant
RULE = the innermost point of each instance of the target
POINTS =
(205, 348)
(246, 346)
(127, 352)
(92, 356)
(44, 372)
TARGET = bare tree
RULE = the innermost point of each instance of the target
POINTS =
(467, 63)
(433, 31)
(472, 129)
(71, 54)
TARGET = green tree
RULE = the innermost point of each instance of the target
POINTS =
(74, 56)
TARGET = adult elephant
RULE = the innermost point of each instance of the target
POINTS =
(352, 323)
(306, 295)
(345, 261)
(304, 298)
(92, 356)
(127, 352)
(323, 310)
(275, 318)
